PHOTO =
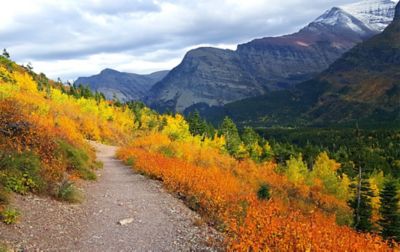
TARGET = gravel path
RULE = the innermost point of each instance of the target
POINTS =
(157, 220)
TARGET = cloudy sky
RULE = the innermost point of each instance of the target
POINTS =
(71, 38)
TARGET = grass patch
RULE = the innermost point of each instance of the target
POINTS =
(78, 161)
(20, 173)
(10, 215)
(69, 192)
(4, 196)
(98, 165)
(344, 218)
(167, 151)
(4, 247)
(130, 161)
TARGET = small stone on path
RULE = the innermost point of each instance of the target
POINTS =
(125, 221)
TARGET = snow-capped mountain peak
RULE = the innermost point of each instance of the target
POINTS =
(337, 17)
(331, 16)
(364, 18)
(376, 14)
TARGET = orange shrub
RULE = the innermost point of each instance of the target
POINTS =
(226, 197)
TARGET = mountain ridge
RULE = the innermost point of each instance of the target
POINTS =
(214, 77)
(122, 85)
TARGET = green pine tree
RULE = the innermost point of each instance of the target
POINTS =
(6, 54)
(137, 108)
(361, 204)
(229, 130)
(210, 130)
(263, 192)
(48, 90)
(389, 210)
(362, 207)
(63, 89)
(73, 91)
(197, 126)
(251, 141)
(249, 136)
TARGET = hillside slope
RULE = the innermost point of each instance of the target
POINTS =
(44, 132)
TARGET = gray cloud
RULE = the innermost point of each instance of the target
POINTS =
(120, 7)
(62, 38)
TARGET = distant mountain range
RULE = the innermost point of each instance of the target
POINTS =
(214, 77)
(363, 86)
(268, 71)
(124, 86)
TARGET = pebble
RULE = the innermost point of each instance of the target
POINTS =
(126, 221)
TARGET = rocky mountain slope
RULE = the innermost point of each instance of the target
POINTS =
(206, 75)
(213, 77)
(363, 86)
(125, 86)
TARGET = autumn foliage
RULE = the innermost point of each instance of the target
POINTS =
(297, 217)
(43, 142)
(46, 124)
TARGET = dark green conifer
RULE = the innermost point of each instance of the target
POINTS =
(6, 54)
(389, 211)
(263, 192)
(197, 126)
(362, 207)
(229, 130)
(251, 141)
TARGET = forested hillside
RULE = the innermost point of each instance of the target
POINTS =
(237, 182)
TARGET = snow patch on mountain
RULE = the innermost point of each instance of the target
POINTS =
(376, 14)
(338, 17)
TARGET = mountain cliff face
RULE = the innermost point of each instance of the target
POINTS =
(283, 61)
(206, 75)
(125, 86)
(213, 77)
(363, 85)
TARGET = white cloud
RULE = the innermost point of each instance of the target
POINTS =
(71, 38)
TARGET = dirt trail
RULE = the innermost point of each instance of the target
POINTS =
(160, 222)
